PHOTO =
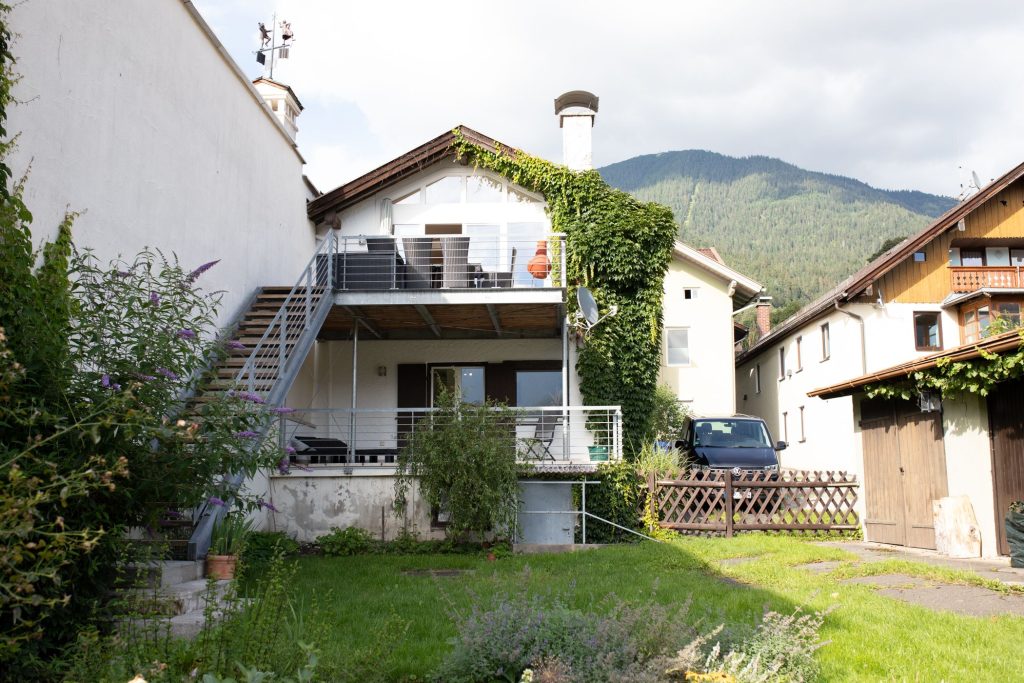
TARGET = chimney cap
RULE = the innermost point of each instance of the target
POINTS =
(585, 101)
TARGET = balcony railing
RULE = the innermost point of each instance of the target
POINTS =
(452, 262)
(973, 278)
(366, 437)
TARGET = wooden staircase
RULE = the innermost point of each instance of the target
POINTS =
(259, 373)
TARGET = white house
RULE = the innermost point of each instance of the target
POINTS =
(933, 295)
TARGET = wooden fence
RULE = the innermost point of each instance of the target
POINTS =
(754, 500)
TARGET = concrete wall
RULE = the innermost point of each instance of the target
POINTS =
(705, 386)
(313, 503)
(131, 114)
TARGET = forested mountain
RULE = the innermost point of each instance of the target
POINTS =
(798, 232)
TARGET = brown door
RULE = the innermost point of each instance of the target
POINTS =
(904, 472)
(1006, 424)
(883, 489)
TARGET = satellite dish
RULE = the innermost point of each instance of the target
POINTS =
(588, 306)
(977, 181)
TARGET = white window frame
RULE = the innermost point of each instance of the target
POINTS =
(689, 348)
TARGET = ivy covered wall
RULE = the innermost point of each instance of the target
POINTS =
(619, 248)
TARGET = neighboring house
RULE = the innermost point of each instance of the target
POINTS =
(930, 296)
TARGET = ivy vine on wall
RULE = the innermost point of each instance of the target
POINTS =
(951, 377)
(618, 247)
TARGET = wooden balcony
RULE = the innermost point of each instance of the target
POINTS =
(973, 278)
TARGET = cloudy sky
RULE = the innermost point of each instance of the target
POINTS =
(907, 95)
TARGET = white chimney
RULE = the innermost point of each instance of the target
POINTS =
(282, 101)
(576, 110)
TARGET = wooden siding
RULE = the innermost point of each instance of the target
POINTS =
(929, 282)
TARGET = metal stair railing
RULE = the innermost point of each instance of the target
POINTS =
(275, 361)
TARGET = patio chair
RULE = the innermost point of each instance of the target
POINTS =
(503, 278)
(538, 447)
(455, 259)
(418, 261)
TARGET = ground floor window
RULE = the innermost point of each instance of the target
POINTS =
(927, 331)
(538, 388)
(465, 382)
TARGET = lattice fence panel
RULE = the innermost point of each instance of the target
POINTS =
(749, 500)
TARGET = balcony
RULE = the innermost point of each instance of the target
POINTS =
(545, 436)
(456, 263)
(973, 278)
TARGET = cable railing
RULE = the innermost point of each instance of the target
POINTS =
(374, 437)
(450, 262)
(297, 315)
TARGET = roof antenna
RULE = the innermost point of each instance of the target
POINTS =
(972, 188)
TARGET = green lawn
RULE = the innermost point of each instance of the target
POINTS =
(401, 623)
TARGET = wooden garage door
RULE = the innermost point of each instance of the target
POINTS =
(1006, 418)
(904, 472)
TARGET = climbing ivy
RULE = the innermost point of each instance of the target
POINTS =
(976, 376)
(618, 247)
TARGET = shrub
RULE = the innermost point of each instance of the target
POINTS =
(621, 643)
(262, 546)
(618, 498)
(464, 459)
(349, 541)
(668, 416)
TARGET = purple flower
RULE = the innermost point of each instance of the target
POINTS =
(124, 273)
(144, 378)
(247, 434)
(214, 500)
(235, 344)
(194, 275)
(186, 334)
(284, 466)
(268, 506)
(282, 410)
(303, 468)
(249, 396)
(105, 381)
(289, 450)
(166, 373)
(154, 298)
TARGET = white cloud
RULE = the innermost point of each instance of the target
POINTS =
(896, 94)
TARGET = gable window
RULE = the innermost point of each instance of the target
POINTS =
(927, 331)
(757, 378)
(690, 293)
(677, 341)
(782, 363)
(483, 190)
(447, 190)
(799, 354)
(919, 257)
(826, 343)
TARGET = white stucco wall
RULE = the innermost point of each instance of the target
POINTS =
(969, 462)
(705, 386)
(129, 114)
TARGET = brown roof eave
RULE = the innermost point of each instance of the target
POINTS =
(1001, 343)
(394, 171)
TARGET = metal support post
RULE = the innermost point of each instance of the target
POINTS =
(583, 496)
(352, 413)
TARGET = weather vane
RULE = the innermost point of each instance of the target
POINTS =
(269, 43)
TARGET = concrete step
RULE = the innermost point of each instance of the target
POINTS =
(163, 574)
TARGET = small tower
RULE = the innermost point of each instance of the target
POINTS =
(576, 110)
(282, 101)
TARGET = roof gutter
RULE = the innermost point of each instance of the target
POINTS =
(863, 336)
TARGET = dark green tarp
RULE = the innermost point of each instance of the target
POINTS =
(1015, 537)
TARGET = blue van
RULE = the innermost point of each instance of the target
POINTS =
(739, 441)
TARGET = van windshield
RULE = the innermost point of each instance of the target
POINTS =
(728, 433)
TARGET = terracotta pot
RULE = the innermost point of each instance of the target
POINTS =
(221, 567)
(540, 265)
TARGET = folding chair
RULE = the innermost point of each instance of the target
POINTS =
(539, 446)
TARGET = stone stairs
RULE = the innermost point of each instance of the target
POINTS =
(175, 592)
